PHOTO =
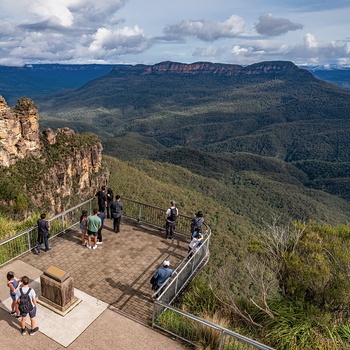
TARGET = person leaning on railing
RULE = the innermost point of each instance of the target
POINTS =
(162, 275)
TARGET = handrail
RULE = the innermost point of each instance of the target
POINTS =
(223, 331)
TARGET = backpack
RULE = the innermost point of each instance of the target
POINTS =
(25, 305)
(172, 216)
(154, 282)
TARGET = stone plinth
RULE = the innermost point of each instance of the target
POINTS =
(57, 291)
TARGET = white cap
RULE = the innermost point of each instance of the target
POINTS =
(166, 263)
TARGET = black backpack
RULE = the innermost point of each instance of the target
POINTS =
(172, 216)
(25, 305)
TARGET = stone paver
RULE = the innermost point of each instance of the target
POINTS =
(119, 270)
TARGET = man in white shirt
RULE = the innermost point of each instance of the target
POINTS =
(27, 309)
(170, 216)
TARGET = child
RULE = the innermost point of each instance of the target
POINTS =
(13, 283)
(83, 223)
(25, 289)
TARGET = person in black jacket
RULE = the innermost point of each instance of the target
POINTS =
(43, 233)
(101, 199)
(116, 208)
(110, 197)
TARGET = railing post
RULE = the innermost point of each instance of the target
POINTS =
(221, 339)
(62, 222)
(140, 213)
(28, 240)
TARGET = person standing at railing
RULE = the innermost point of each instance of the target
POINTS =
(170, 217)
(116, 208)
(197, 222)
(102, 216)
(43, 233)
(110, 197)
(101, 199)
(196, 242)
(83, 225)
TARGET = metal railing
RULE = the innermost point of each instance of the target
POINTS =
(188, 327)
(153, 215)
(195, 330)
(25, 241)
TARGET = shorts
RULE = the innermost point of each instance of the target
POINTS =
(82, 228)
(90, 233)
(32, 314)
(13, 296)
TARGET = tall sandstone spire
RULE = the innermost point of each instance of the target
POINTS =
(19, 131)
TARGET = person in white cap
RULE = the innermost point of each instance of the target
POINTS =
(170, 217)
(162, 275)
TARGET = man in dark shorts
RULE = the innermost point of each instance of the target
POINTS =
(43, 233)
(93, 225)
(32, 296)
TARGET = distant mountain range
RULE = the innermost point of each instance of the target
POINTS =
(200, 116)
(37, 79)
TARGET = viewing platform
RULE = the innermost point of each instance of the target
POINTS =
(112, 283)
(119, 270)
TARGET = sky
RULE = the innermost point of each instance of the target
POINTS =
(306, 32)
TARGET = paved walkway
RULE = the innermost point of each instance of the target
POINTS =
(117, 273)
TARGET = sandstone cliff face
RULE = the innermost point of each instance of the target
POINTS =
(63, 168)
(219, 69)
(19, 131)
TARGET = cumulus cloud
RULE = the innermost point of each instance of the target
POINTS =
(272, 26)
(310, 50)
(120, 41)
(206, 30)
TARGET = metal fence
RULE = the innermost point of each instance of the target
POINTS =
(188, 327)
(25, 241)
(153, 215)
(197, 331)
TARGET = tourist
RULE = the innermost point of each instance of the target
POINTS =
(197, 222)
(170, 217)
(93, 225)
(27, 308)
(43, 233)
(83, 224)
(195, 244)
(110, 197)
(162, 275)
(116, 211)
(101, 199)
(102, 216)
(13, 284)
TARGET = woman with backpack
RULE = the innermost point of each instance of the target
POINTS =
(197, 222)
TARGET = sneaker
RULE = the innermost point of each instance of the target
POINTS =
(12, 313)
(99, 242)
(47, 250)
(88, 246)
(33, 331)
(23, 331)
(18, 316)
(94, 247)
